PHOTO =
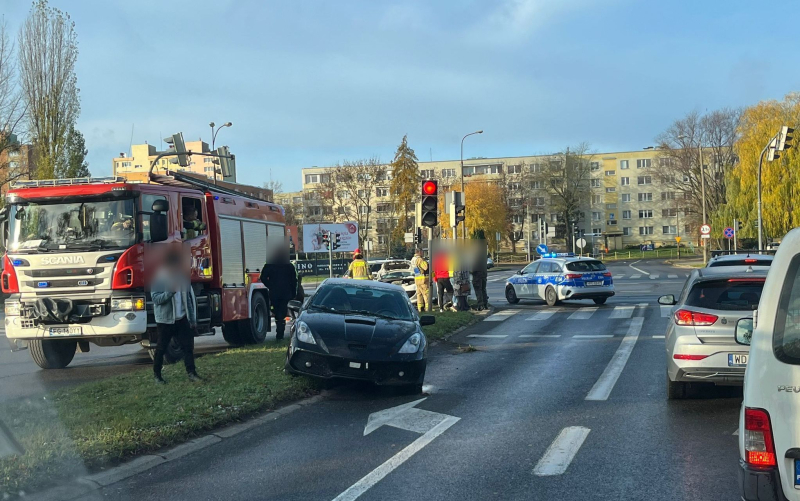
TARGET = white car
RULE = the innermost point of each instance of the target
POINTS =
(561, 277)
(769, 421)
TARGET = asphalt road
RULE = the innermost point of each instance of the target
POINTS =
(564, 404)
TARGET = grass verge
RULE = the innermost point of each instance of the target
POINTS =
(447, 322)
(70, 432)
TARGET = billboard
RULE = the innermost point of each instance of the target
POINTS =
(312, 236)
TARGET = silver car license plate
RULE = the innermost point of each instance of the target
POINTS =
(594, 284)
(737, 360)
(66, 331)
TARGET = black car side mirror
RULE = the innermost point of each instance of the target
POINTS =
(427, 320)
(521, 272)
(744, 331)
(667, 300)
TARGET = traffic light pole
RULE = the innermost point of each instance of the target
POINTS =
(431, 283)
(734, 235)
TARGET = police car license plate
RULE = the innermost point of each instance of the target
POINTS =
(797, 473)
(737, 360)
(66, 331)
(594, 283)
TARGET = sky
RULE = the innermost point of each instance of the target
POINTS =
(312, 83)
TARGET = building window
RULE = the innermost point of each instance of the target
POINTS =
(595, 183)
(382, 192)
(594, 165)
(625, 181)
(611, 206)
(612, 222)
(208, 169)
(513, 186)
(515, 169)
(514, 202)
(426, 173)
(312, 178)
(687, 229)
(665, 161)
(626, 197)
(383, 208)
(597, 216)
(363, 209)
(13, 154)
(626, 214)
(623, 164)
(208, 160)
(645, 197)
(668, 179)
(597, 231)
(645, 230)
(687, 195)
(667, 195)
(448, 173)
(626, 231)
(297, 200)
(611, 173)
(644, 180)
(686, 179)
(669, 212)
(537, 201)
(517, 219)
(126, 164)
(315, 211)
(643, 163)
(645, 213)
(554, 217)
(610, 189)
(536, 168)
(670, 230)
(597, 199)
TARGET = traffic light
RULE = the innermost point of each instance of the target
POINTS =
(738, 225)
(336, 241)
(458, 199)
(784, 138)
(177, 145)
(430, 203)
(418, 236)
(326, 239)
(227, 161)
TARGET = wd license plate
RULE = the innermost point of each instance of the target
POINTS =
(737, 360)
(66, 331)
(593, 284)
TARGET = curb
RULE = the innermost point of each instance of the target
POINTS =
(680, 265)
(84, 485)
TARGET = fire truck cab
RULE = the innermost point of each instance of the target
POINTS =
(80, 254)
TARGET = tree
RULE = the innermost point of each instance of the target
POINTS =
(11, 107)
(360, 179)
(404, 188)
(275, 186)
(48, 50)
(485, 210)
(74, 163)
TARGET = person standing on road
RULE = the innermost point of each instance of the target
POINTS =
(358, 268)
(280, 278)
(441, 273)
(421, 273)
(479, 275)
(175, 311)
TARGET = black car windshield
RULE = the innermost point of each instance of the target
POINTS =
(728, 294)
(586, 266)
(78, 225)
(362, 299)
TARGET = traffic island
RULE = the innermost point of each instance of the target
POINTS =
(89, 428)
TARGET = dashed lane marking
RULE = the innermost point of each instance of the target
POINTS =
(602, 388)
(551, 336)
(653, 277)
(489, 336)
(559, 455)
(592, 336)
(658, 337)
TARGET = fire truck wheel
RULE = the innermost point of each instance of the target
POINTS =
(230, 332)
(254, 329)
(52, 353)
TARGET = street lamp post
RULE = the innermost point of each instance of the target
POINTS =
(464, 229)
(214, 141)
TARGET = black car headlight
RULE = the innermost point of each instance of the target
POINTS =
(412, 344)
(303, 333)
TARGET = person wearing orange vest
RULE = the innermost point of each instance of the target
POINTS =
(441, 273)
(358, 269)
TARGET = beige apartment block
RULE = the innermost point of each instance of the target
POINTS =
(136, 167)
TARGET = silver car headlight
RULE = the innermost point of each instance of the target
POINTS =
(303, 333)
(412, 344)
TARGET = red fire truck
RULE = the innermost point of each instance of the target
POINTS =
(80, 252)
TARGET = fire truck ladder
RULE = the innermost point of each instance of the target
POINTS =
(202, 184)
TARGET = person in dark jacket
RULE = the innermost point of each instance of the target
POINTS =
(280, 278)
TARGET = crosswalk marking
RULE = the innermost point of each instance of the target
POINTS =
(501, 315)
(489, 336)
(583, 313)
(653, 277)
(636, 275)
(592, 336)
(622, 312)
(620, 276)
(544, 314)
(672, 276)
(541, 335)
(666, 310)
(658, 337)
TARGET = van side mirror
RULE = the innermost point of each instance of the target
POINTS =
(160, 205)
(159, 227)
(668, 300)
(744, 331)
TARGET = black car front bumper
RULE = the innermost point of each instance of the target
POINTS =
(760, 484)
(313, 364)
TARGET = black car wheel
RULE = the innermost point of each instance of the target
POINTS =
(551, 296)
(511, 295)
(600, 300)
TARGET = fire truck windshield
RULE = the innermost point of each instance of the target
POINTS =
(75, 226)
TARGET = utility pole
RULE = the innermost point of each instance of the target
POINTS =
(703, 196)
(330, 253)
(735, 227)
(678, 224)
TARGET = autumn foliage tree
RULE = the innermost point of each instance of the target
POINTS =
(486, 210)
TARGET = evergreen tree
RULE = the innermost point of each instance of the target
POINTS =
(404, 187)
(73, 163)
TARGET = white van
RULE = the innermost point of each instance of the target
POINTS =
(769, 422)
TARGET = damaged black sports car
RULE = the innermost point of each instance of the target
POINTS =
(359, 329)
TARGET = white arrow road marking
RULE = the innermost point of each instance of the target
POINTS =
(500, 315)
(559, 455)
(602, 388)
(637, 269)
(583, 313)
(405, 417)
(736, 433)
(622, 312)
(544, 314)
(666, 310)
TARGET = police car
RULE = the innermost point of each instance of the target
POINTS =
(559, 277)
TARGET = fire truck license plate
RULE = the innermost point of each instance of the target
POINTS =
(66, 331)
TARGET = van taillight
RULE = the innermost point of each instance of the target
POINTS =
(10, 285)
(759, 447)
(686, 317)
(123, 271)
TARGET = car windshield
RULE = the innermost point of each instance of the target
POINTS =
(748, 261)
(729, 294)
(586, 266)
(78, 225)
(363, 300)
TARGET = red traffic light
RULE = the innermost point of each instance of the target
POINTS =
(430, 187)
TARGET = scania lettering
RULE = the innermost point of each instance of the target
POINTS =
(80, 253)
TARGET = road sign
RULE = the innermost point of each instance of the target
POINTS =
(728, 232)
(677, 239)
(705, 236)
(497, 236)
(581, 242)
(541, 249)
(409, 238)
(705, 229)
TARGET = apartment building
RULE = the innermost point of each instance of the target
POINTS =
(631, 199)
(135, 168)
(292, 203)
(16, 162)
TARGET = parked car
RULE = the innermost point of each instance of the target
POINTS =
(489, 263)
(769, 420)
(700, 344)
(364, 330)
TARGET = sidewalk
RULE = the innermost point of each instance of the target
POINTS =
(689, 263)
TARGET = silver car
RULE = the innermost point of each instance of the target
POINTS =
(740, 260)
(700, 338)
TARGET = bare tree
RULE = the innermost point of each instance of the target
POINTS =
(360, 179)
(48, 50)
(11, 108)
(275, 186)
